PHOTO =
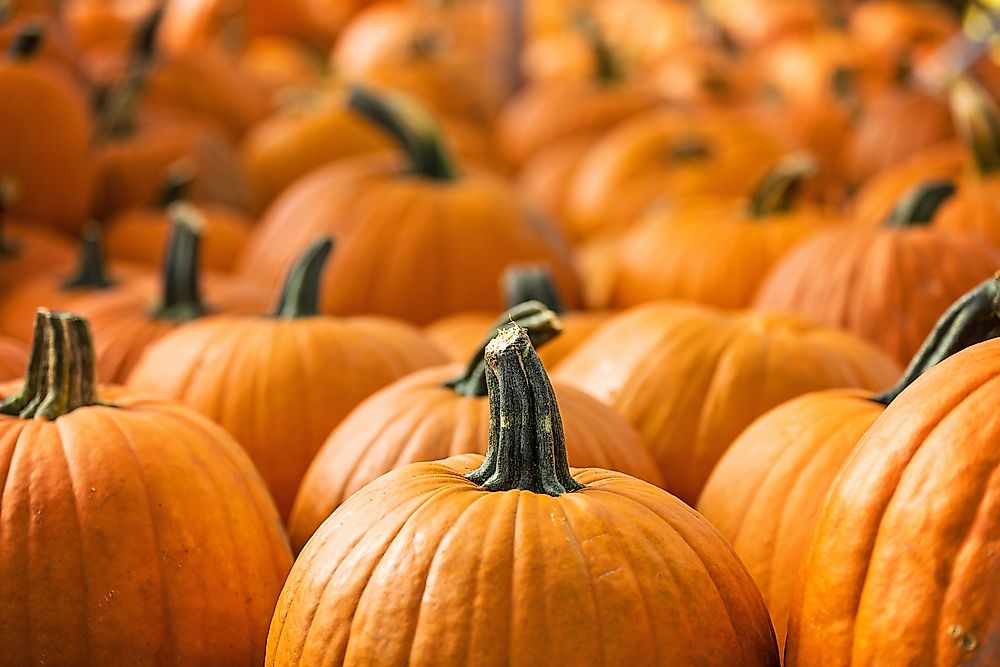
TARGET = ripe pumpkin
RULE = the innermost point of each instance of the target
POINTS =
(766, 491)
(13, 355)
(690, 379)
(257, 376)
(713, 252)
(389, 578)
(901, 568)
(889, 284)
(468, 226)
(45, 131)
(444, 411)
(127, 320)
(176, 552)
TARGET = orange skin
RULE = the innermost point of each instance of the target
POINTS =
(319, 366)
(276, 63)
(36, 251)
(150, 492)
(891, 30)
(473, 228)
(901, 569)
(545, 179)
(766, 492)
(13, 358)
(597, 260)
(595, 558)
(419, 419)
(975, 208)
(887, 285)
(689, 378)
(191, 25)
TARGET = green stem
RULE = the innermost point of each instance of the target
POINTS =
(61, 375)
(527, 446)
(777, 191)
(181, 300)
(119, 106)
(300, 293)
(919, 205)
(90, 272)
(26, 42)
(974, 318)
(541, 324)
(978, 122)
(413, 128)
(607, 69)
(532, 282)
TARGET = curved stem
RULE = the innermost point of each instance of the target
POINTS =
(974, 318)
(300, 293)
(527, 446)
(61, 375)
(978, 122)
(919, 205)
(413, 128)
(26, 42)
(90, 272)
(181, 300)
(777, 191)
(607, 70)
(541, 325)
(532, 282)
(118, 105)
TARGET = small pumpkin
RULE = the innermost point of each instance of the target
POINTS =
(279, 385)
(766, 492)
(457, 231)
(389, 577)
(444, 411)
(170, 523)
(690, 378)
(888, 285)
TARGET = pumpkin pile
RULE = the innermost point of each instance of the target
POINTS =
(500, 332)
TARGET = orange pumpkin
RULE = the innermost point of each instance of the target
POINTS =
(545, 179)
(753, 23)
(766, 491)
(306, 364)
(901, 568)
(388, 577)
(278, 63)
(462, 228)
(716, 253)
(690, 378)
(27, 248)
(444, 411)
(889, 284)
(13, 354)
(127, 320)
(160, 502)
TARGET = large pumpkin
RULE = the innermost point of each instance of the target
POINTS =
(888, 284)
(767, 490)
(902, 567)
(691, 378)
(132, 528)
(515, 559)
(444, 411)
(279, 385)
(456, 231)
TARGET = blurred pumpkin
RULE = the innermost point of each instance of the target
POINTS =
(13, 357)
(27, 248)
(755, 23)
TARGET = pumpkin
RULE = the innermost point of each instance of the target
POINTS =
(277, 63)
(901, 568)
(766, 491)
(892, 31)
(716, 252)
(454, 561)
(459, 335)
(754, 23)
(45, 131)
(190, 25)
(462, 228)
(127, 320)
(545, 179)
(13, 354)
(176, 551)
(140, 234)
(889, 284)
(690, 378)
(26, 248)
(281, 368)
(444, 411)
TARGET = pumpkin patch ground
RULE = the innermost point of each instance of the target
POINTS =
(500, 332)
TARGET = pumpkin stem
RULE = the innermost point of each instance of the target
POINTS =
(300, 293)
(176, 186)
(689, 147)
(118, 106)
(181, 300)
(777, 191)
(8, 192)
(413, 128)
(978, 122)
(61, 375)
(533, 317)
(532, 282)
(527, 446)
(974, 318)
(607, 69)
(26, 42)
(919, 205)
(90, 272)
